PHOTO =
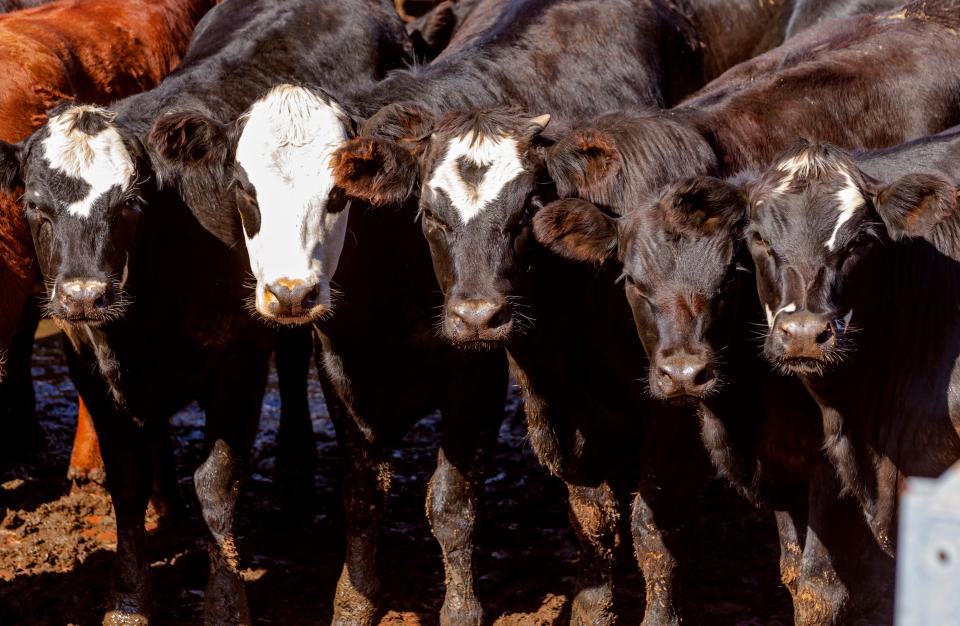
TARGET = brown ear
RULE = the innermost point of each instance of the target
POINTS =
(703, 205)
(583, 162)
(577, 230)
(376, 170)
(914, 205)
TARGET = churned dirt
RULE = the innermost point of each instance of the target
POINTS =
(56, 544)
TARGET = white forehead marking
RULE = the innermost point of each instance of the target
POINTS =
(100, 160)
(499, 154)
(849, 199)
(285, 149)
(790, 308)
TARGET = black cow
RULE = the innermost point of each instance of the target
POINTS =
(145, 276)
(840, 293)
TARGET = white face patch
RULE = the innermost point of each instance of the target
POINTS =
(285, 150)
(849, 199)
(100, 160)
(771, 316)
(499, 155)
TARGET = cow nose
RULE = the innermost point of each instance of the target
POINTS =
(476, 318)
(684, 375)
(291, 297)
(82, 296)
(805, 334)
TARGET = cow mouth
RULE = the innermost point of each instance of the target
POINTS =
(805, 365)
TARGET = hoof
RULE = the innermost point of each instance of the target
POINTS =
(461, 613)
(125, 618)
(594, 607)
(225, 601)
(351, 608)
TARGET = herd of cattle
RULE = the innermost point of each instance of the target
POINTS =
(431, 208)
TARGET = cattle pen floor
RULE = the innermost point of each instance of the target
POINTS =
(56, 546)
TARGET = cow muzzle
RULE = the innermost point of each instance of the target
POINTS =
(804, 340)
(469, 320)
(82, 300)
(294, 300)
(682, 376)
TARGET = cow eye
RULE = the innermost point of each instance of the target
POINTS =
(433, 220)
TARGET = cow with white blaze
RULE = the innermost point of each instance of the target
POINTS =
(148, 275)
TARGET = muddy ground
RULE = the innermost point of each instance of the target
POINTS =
(56, 545)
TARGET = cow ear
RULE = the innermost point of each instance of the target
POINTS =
(583, 163)
(914, 205)
(10, 166)
(431, 32)
(407, 123)
(704, 205)
(377, 170)
(576, 230)
(189, 138)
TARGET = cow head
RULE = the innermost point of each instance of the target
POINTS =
(680, 254)
(84, 182)
(480, 176)
(274, 165)
(813, 234)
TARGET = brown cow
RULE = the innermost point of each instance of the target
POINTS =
(67, 50)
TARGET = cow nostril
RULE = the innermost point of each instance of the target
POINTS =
(312, 297)
(825, 335)
(703, 376)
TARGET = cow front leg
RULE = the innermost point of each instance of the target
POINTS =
(789, 525)
(594, 514)
(232, 413)
(471, 421)
(674, 474)
(126, 457)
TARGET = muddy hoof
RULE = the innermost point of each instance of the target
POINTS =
(225, 601)
(351, 608)
(87, 479)
(125, 618)
(461, 613)
(594, 607)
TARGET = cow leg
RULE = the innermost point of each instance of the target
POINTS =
(789, 524)
(296, 448)
(821, 598)
(125, 446)
(86, 465)
(232, 414)
(165, 495)
(594, 514)
(469, 430)
(366, 484)
(675, 472)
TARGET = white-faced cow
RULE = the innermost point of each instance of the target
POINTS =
(146, 278)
